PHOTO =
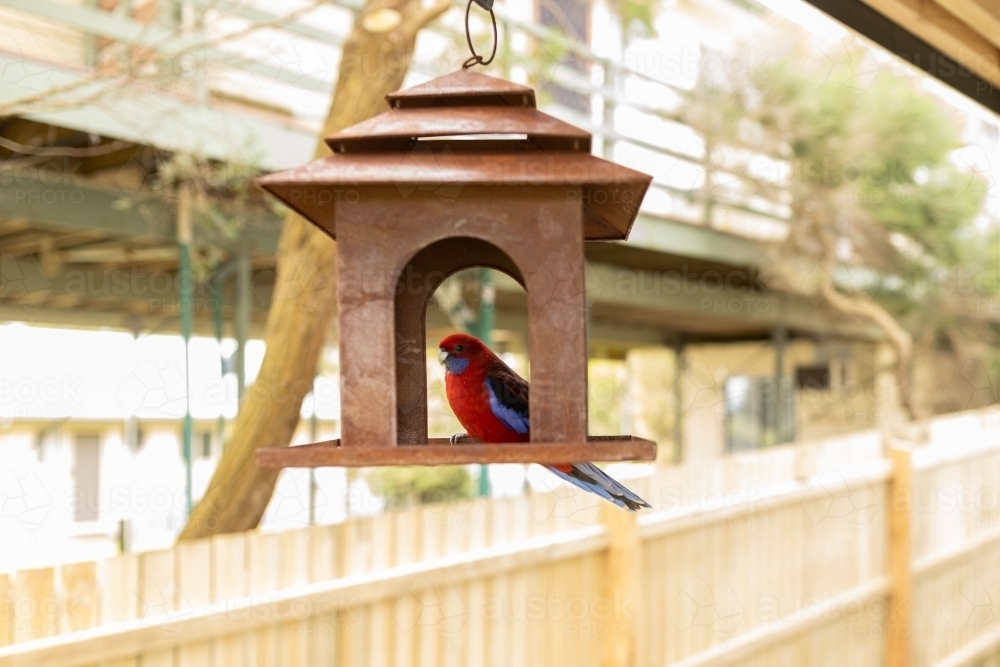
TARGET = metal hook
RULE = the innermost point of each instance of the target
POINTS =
(477, 59)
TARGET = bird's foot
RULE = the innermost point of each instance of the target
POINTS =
(463, 439)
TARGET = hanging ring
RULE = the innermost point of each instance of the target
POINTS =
(477, 59)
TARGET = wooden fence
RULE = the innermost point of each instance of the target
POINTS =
(851, 551)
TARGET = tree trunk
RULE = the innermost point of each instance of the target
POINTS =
(863, 306)
(374, 60)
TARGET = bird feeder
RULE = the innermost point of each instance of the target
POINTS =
(462, 171)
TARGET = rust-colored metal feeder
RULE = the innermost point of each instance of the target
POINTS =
(418, 193)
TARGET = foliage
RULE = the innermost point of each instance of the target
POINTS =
(637, 18)
(862, 159)
(223, 192)
(408, 486)
(224, 199)
(868, 153)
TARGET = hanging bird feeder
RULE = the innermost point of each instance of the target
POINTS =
(411, 200)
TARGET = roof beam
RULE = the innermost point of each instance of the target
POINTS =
(704, 306)
(697, 242)
(13, 225)
(929, 37)
(982, 15)
(150, 117)
(50, 242)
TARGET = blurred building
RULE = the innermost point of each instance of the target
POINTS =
(102, 103)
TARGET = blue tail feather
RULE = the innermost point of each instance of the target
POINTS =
(589, 477)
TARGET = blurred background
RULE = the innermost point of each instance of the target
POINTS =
(810, 289)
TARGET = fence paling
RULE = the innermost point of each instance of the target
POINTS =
(822, 540)
(900, 503)
(751, 643)
(163, 631)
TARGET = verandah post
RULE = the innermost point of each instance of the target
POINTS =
(621, 586)
(900, 502)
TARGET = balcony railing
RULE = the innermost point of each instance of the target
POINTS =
(274, 73)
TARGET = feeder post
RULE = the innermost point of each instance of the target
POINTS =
(557, 319)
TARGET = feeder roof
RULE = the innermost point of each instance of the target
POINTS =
(467, 128)
(463, 87)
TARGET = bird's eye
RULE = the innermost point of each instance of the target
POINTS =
(459, 347)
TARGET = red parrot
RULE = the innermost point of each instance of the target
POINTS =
(491, 402)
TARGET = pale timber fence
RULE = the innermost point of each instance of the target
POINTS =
(851, 551)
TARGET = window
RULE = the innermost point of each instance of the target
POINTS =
(753, 410)
(87, 477)
(812, 377)
(841, 371)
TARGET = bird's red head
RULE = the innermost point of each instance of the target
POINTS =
(457, 351)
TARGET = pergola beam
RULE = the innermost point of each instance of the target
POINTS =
(49, 242)
(145, 116)
(169, 43)
(931, 38)
(76, 208)
(703, 308)
(682, 239)
(984, 14)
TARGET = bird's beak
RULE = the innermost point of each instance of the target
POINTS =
(442, 354)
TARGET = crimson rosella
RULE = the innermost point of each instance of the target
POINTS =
(491, 402)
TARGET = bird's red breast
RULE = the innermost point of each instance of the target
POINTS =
(469, 398)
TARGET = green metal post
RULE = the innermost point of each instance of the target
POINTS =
(186, 294)
(779, 338)
(679, 371)
(313, 436)
(217, 303)
(243, 278)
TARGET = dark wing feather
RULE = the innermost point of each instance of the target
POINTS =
(509, 391)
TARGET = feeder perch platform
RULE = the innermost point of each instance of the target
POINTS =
(439, 451)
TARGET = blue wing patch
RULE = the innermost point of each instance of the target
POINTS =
(510, 408)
